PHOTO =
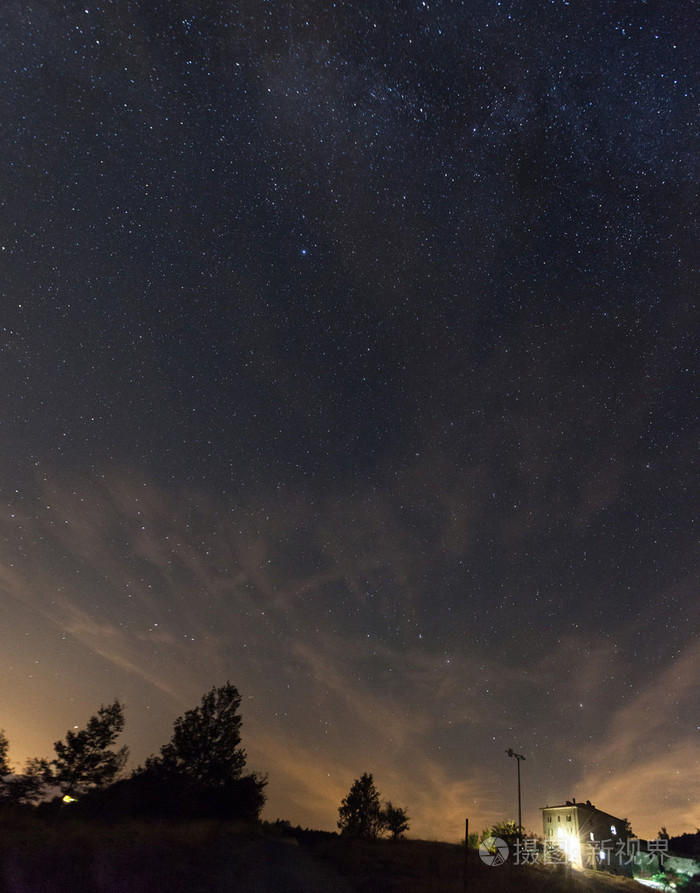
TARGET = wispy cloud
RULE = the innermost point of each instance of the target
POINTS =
(116, 646)
(323, 618)
(647, 763)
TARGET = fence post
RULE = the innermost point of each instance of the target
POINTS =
(466, 855)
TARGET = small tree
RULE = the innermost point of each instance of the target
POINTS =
(28, 788)
(394, 820)
(7, 786)
(625, 830)
(507, 831)
(360, 812)
(4, 747)
(84, 761)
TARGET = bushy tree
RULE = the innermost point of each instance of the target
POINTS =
(28, 787)
(360, 812)
(625, 830)
(687, 844)
(506, 831)
(200, 770)
(8, 786)
(84, 760)
(394, 820)
(362, 815)
(205, 746)
(4, 748)
(472, 842)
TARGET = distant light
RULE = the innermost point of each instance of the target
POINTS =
(68, 799)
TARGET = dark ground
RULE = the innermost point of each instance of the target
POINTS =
(208, 858)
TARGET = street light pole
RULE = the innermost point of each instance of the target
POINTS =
(518, 757)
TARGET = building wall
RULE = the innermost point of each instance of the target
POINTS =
(573, 827)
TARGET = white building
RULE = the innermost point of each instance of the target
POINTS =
(588, 837)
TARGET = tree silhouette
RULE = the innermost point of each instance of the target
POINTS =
(84, 761)
(28, 788)
(205, 743)
(394, 820)
(7, 785)
(4, 747)
(360, 812)
(199, 771)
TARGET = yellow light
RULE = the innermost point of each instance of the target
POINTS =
(68, 799)
(571, 846)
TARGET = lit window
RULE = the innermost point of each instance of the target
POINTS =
(613, 829)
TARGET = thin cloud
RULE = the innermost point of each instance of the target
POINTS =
(646, 764)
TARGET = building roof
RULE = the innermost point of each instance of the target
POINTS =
(587, 805)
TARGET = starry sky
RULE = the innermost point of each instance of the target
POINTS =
(347, 353)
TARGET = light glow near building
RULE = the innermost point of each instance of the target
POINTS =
(571, 845)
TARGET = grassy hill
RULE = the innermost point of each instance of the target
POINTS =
(62, 855)
(415, 866)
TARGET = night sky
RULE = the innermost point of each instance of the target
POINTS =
(347, 352)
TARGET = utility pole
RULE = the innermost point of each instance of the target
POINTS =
(518, 757)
